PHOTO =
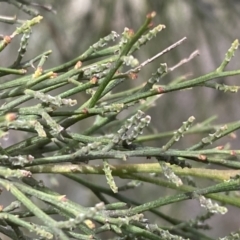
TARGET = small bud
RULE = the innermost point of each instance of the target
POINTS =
(38, 72)
(233, 153)
(78, 65)
(233, 135)
(62, 198)
(85, 111)
(7, 39)
(130, 33)
(160, 90)
(151, 15)
(133, 75)
(94, 80)
(202, 157)
(54, 75)
(9, 117)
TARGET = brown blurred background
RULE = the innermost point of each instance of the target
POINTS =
(210, 26)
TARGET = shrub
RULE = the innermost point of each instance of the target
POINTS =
(51, 147)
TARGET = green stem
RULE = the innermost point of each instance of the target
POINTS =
(232, 185)
(33, 208)
(179, 86)
(126, 169)
(12, 71)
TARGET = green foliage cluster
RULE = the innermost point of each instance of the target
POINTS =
(53, 148)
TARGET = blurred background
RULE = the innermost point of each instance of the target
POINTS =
(210, 26)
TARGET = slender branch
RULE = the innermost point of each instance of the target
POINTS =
(126, 169)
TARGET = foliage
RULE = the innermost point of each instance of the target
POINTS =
(52, 147)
